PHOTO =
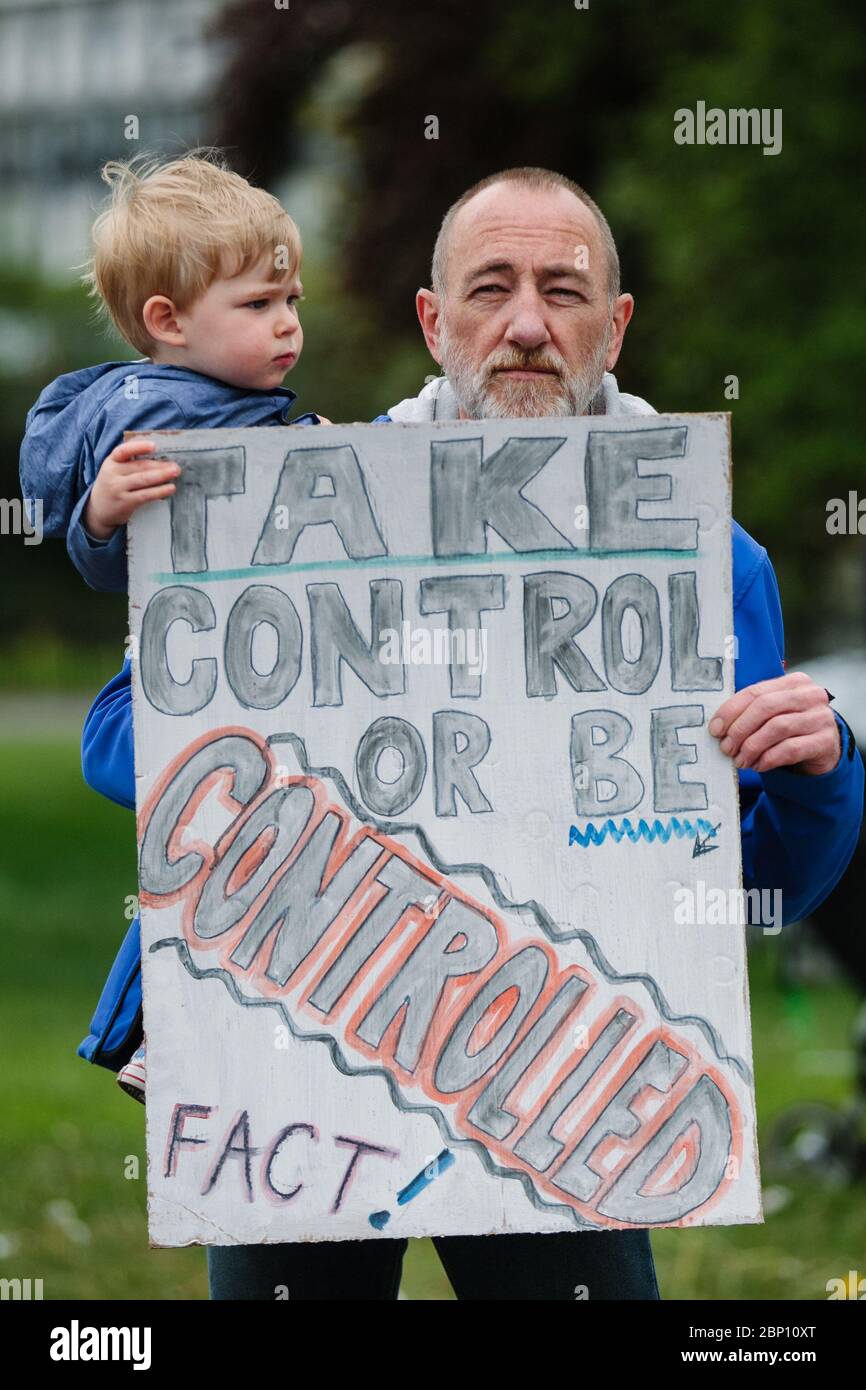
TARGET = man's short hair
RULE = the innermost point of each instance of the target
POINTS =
(173, 227)
(529, 177)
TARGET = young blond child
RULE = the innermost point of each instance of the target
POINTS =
(199, 270)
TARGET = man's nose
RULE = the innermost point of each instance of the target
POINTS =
(527, 327)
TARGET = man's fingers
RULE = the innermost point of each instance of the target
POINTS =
(787, 727)
(777, 723)
(788, 700)
(793, 750)
(733, 708)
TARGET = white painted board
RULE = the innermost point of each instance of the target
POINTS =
(429, 816)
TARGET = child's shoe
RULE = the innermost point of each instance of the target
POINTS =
(131, 1077)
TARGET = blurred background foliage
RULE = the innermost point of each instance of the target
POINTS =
(741, 263)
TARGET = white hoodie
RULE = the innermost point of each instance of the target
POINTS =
(438, 402)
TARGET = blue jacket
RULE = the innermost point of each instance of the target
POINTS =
(80, 417)
(798, 832)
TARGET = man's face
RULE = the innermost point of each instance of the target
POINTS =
(525, 327)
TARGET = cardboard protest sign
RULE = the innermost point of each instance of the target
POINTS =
(429, 817)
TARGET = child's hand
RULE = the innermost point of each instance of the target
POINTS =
(127, 479)
(324, 421)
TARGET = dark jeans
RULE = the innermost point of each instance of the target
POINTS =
(558, 1266)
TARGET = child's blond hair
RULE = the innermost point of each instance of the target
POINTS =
(173, 228)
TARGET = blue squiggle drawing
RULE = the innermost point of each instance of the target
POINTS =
(657, 831)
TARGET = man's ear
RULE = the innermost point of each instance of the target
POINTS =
(622, 312)
(427, 307)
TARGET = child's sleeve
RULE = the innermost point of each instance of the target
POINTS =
(103, 563)
(107, 758)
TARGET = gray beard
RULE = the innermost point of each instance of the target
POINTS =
(485, 397)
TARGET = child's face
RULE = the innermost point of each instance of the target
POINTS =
(244, 330)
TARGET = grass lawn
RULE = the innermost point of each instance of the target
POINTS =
(72, 1207)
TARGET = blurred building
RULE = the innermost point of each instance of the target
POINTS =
(77, 79)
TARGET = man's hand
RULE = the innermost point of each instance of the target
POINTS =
(779, 723)
(124, 483)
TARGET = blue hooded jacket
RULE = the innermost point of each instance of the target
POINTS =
(798, 832)
(80, 417)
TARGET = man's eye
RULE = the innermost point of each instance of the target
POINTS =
(489, 289)
(563, 291)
